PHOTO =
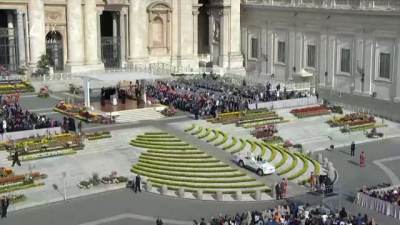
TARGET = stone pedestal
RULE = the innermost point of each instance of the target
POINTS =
(320, 158)
(258, 195)
(220, 196)
(199, 194)
(273, 192)
(238, 195)
(149, 186)
(164, 189)
(181, 192)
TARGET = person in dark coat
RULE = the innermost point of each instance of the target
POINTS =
(16, 159)
(278, 191)
(4, 207)
(137, 183)
(80, 127)
(353, 148)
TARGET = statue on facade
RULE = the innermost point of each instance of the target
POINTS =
(216, 31)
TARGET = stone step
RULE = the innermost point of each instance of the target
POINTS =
(138, 115)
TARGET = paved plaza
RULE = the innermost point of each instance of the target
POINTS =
(116, 205)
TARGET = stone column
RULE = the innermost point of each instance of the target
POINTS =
(91, 33)
(99, 34)
(322, 57)
(75, 36)
(397, 79)
(264, 52)
(137, 31)
(270, 49)
(195, 32)
(115, 33)
(123, 39)
(235, 55)
(224, 39)
(368, 64)
(11, 40)
(331, 60)
(37, 42)
(211, 34)
(359, 62)
(21, 39)
(292, 57)
(299, 50)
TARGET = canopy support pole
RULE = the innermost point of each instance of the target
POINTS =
(86, 90)
(143, 90)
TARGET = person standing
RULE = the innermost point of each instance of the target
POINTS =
(80, 127)
(353, 148)
(312, 181)
(278, 191)
(362, 159)
(4, 207)
(137, 183)
(16, 159)
(284, 188)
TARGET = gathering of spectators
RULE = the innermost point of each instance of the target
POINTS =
(211, 97)
(13, 118)
(291, 215)
(391, 195)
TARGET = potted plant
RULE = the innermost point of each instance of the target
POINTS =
(43, 65)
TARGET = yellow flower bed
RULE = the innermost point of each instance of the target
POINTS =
(10, 86)
(62, 135)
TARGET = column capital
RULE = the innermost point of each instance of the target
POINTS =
(19, 11)
(99, 12)
(209, 13)
(223, 13)
(195, 12)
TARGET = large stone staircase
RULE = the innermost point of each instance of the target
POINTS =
(129, 116)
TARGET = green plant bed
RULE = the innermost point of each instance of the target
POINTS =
(156, 136)
(224, 138)
(198, 131)
(274, 140)
(206, 134)
(215, 137)
(156, 133)
(189, 165)
(178, 152)
(177, 156)
(99, 137)
(159, 139)
(234, 141)
(303, 170)
(180, 160)
(166, 144)
(212, 186)
(42, 155)
(18, 200)
(163, 147)
(242, 146)
(263, 149)
(366, 127)
(190, 179)
(190, 128)
(273, 153)
(20, 187)
(292, 166)
(284, 156)
(189, 169)
(263, 119)
(186, 174)
(253, 145)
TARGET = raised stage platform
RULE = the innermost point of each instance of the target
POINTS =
(129, 105)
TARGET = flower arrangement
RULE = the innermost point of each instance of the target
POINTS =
(44, 92)
(354, 119)
(14, 86)
(75, 89)
(287, 144)
(310, 112)
(95, 180)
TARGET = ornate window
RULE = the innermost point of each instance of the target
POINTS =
(159, 28)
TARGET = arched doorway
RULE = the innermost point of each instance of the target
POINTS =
(54, 49)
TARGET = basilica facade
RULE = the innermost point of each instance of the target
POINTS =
(86, 35)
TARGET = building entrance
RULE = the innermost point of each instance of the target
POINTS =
(110, 40)
(54, 50)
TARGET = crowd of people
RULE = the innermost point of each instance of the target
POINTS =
(205, 97)
(291, 215)
(391, 195)
(15, 119)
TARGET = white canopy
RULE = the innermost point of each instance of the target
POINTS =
(118, 76)
(304, 73)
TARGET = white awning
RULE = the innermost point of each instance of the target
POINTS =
(118, 76)
(304, 73)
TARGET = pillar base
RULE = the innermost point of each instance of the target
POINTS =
(356, 92)
(83, 68)
(397, 99)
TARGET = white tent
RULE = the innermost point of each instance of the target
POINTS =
(304, 73)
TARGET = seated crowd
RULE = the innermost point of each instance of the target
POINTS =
(13, 118)
(291, 215)
(391, 195)
(208, 98)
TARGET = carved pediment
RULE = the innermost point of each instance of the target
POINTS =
(53, 15)
(115, 2)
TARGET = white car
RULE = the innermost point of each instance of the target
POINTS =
(261, 167)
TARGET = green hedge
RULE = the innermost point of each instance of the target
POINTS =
(177, 156)
(224, 139)
(208, 132)
(156, 136)
(253, 145)
(99, 137)
(156, 133)
(159, 139)
(190, 128)
(198, 131)
(179, 160)
(273, 154)
(284, 156)
(263, 149)
(213, 186)
(187, 174)
(192, 180)
(303, 170)
(188, 165)
(160, 143)
(190, 169)
(292, 166)
(164, 147)
(316, 164)
(216, 132)
(234, 141)
(20, 187)
(178, 152)
(244, 142)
